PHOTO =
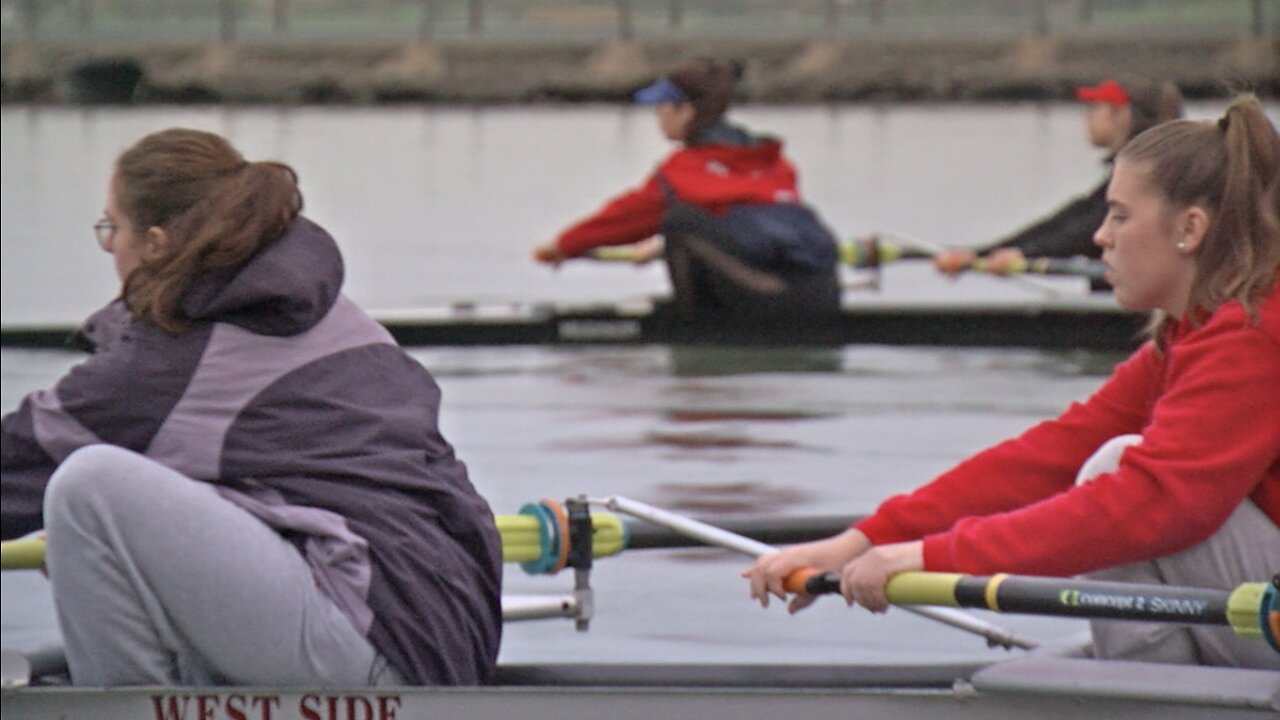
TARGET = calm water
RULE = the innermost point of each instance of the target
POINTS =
(534, 423)
(434, 205)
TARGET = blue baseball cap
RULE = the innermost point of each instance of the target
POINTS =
(662, 91)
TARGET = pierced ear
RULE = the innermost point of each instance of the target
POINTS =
(1193, 225)
(157, 243)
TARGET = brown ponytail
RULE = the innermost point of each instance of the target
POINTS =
(216, 208)
(1151, 103)
(708, 84)
(1231, 168)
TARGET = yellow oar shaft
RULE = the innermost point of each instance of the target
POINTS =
(525, 536)
(23, 554)
(524, 539)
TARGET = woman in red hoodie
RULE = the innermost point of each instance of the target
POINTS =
(738, 241)
(1192, 494)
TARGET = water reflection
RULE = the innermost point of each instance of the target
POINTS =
(742, 497)
(700, 361)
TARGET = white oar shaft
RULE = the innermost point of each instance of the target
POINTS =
(961, 620)
(720, 537)
(913, 243)
(1031, 281)
(708, 534)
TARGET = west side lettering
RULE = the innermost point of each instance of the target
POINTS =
(1136, 603)
(236, 706)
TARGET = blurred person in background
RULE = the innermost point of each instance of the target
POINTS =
(1117, 111)
(737, 239)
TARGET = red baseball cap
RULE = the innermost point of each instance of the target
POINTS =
(1108, 91)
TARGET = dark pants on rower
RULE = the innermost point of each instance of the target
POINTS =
(715, 271)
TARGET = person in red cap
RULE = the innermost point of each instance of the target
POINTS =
(1117, 112)
(737, 239)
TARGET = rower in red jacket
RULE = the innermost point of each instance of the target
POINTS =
(738, 240)
(1170, 473)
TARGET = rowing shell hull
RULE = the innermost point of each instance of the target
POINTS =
(1032, 687)
(1087, 323)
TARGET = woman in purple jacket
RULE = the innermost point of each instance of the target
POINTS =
(246, 482)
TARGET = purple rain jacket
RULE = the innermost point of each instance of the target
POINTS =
(304, 411)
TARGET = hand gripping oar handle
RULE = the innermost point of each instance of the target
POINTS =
(931, 249)
(719, 537)
(1248, 609)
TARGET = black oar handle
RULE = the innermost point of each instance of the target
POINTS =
(1094, 599)
(811, 581)
(827, 583)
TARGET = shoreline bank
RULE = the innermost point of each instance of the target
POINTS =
(832, 69)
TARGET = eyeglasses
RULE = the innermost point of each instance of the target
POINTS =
(103, 230)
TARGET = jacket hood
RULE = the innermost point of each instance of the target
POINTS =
(283, 289)
(722, 132)
(762, 156)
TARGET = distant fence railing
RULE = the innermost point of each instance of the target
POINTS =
(596, 20)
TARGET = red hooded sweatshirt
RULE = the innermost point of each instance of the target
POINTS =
(713, 177)
(1208, 410)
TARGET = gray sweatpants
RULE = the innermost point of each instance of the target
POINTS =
(1245, 549)
(159, 580)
